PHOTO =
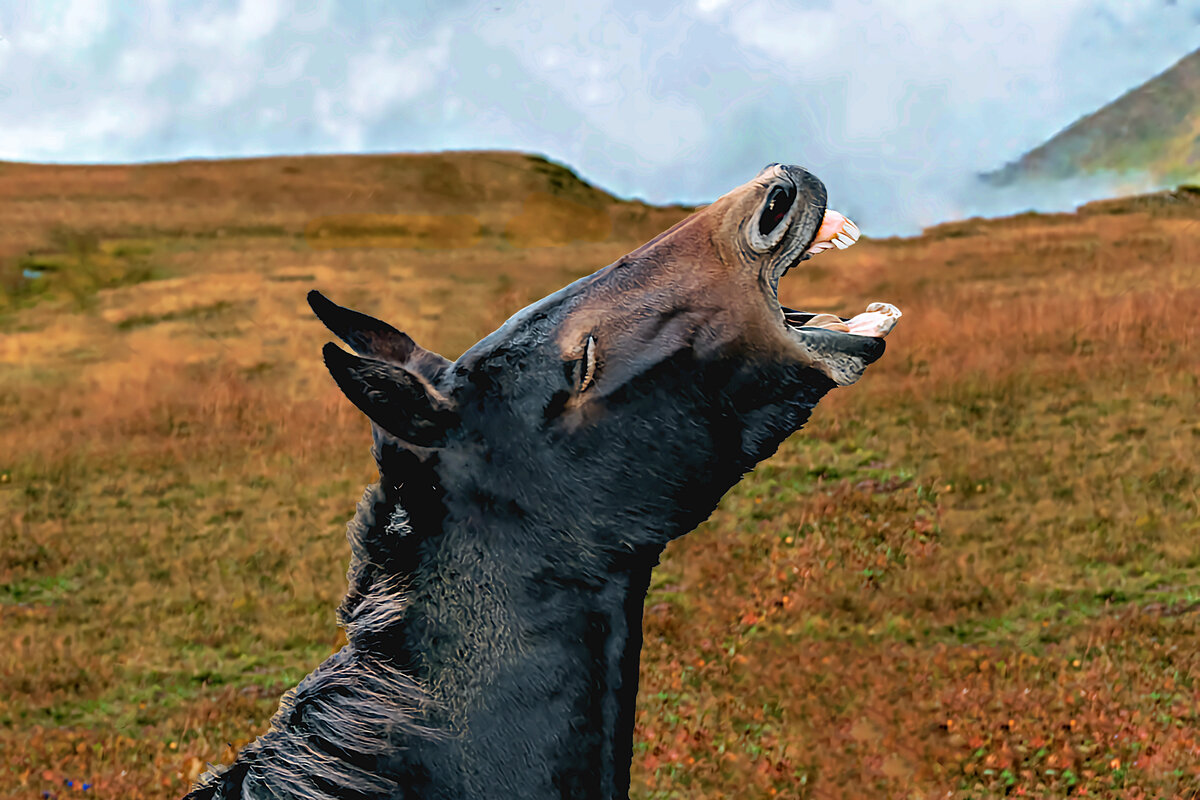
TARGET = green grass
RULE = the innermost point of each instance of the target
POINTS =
(202, 312)
(76, 268)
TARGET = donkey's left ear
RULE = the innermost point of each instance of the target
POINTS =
(396, 398)
(374, 338)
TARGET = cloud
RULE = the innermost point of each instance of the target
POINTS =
(250, 21)
(56, 27)
(391, 73)
(895, 105)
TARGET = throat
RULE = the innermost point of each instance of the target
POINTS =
(547, 708)
(621, 660)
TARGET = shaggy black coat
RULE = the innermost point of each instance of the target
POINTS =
(500, 564)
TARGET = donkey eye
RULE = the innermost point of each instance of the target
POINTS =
(587, 364)
(778, 202)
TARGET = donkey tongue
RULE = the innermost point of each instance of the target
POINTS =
(835, 231)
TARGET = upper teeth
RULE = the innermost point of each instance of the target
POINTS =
(847, 234)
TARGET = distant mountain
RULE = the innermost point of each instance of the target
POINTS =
(1153, 130)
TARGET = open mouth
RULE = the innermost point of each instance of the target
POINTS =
(836, 231)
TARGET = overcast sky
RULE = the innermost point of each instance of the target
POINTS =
(895, 105)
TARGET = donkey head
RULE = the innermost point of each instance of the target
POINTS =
(613, 414)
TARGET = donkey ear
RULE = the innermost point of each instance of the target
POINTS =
(368, 336)
(396, 399)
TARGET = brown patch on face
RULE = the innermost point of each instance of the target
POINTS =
(708, 281)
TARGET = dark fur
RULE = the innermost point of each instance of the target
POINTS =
(500, 565)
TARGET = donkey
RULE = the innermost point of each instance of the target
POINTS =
(500, 565)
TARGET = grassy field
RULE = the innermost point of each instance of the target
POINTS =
(975, 574)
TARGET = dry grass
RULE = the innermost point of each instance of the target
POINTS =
(972, 575)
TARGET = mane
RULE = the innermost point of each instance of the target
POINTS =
(335, 735)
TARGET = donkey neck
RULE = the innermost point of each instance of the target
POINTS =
(532, 671)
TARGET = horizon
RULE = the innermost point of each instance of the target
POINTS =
(671, 107)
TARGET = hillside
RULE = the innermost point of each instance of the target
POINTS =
(1152, 130)
(444, 199)
(131, 242)
(973, 574)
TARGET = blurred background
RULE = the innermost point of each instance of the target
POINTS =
(899, 106)
(973, 574)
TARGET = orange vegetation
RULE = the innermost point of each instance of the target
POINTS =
(974, 574)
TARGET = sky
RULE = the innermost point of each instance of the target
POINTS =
(895, 105)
